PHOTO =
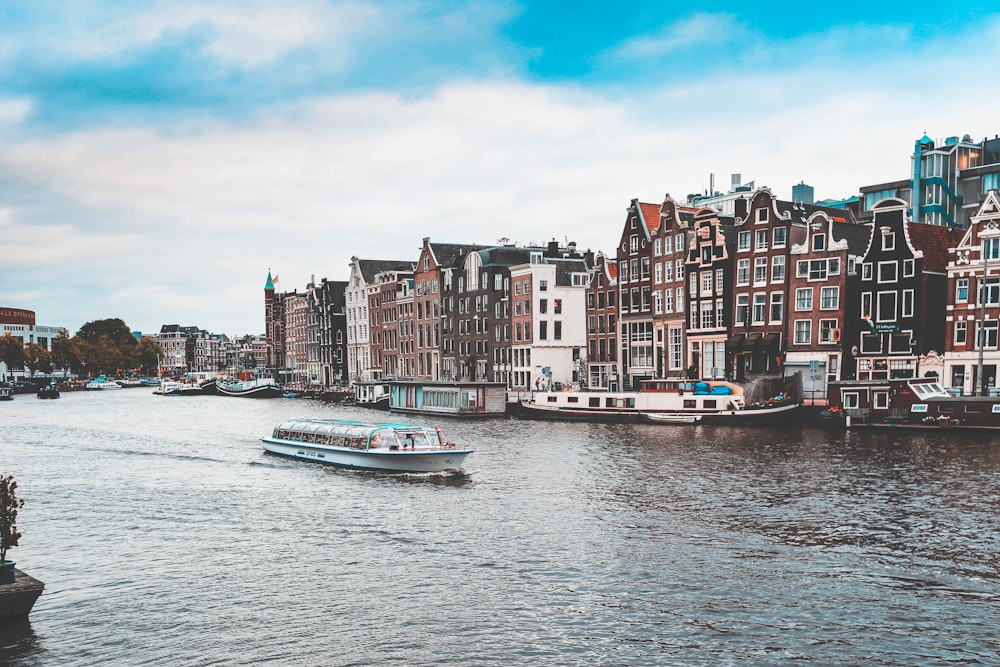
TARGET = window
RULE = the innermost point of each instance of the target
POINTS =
(819, 242)
(543, 330)
(679, 243)
(658, 247)
(762, 215)
(779, 237)
(818, 269)
(543, 285)
(866, 304)
(991, 248)
(658, 273)
(989, 329)
(866, 271)
(826, 331)
(888, 272)
(803, 332)
(850, 400)
(991, 182)
(720, 280)
(778, 269)
(679, 303)
(658, 302)
(760, 271)
(962, 289)
(908, 268)
(759, 305)
(777, 306)
(543, 305)
(880, 400)
(888, 239)
(886, 307)
(668, 301)
(743, 241)
(557, 330)
(633, 243)
(680, 269)
(706, 282)
(761, 243)
(668, 245)
(907, 303)
(743, 309)
(961, 333)
(557, 306)
(989, 291)
(829, 298)
(707, 315)
(743, 272)
(668, 272)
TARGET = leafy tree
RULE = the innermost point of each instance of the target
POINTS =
(37, 358)
(115, 329)
(11, 353)
(9, 504)
(104, 356)
(146, 355)
(65, 353)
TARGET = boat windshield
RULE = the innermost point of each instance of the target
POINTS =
(406, 439)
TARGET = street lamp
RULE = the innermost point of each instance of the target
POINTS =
(988, 236)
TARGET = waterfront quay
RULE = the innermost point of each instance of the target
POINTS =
(165, 535)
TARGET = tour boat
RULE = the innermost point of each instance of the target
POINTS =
(355, 444)
(260, 385)
(101, 382)
(661, 402)
(918, 403)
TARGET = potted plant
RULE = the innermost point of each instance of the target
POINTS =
(9, 504)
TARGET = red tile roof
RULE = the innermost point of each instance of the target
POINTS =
(934, 241)
(651, 214)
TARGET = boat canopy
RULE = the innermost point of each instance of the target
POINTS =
(356, 433)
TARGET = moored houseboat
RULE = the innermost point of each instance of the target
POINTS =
(449, 398)
(908, 403)
(661, 402)
(259, 384)
(354, 444)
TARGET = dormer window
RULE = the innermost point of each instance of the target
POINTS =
(762, 215)
(819, 243)
(888, 239)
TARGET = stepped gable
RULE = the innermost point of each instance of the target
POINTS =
(934, 241)
(372, 267)
(857, 236)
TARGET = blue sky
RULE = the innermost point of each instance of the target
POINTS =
(158, 158)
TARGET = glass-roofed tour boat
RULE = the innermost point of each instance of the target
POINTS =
(355, 444)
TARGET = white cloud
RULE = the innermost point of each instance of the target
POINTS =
(702, 30)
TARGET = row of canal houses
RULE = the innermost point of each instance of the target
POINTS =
(776, 288)
(783, 287)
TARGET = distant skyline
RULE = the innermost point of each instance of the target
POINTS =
(158, 158)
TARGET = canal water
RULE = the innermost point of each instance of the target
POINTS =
(166, 536)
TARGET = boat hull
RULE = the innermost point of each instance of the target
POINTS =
(450, 461)
(265, 391)
(778, 415)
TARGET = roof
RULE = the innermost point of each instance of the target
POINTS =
(934, 241)
(857, 236)
(446, 254)
(372, 267)
(564, 267)
(651, 216)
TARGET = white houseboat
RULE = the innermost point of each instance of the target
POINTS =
(355, 444)
(661, 402)
(102, 382)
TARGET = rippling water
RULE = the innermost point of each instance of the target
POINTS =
(166, 536)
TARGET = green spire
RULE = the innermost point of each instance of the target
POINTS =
(269, 284)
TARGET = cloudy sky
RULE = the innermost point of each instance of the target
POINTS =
(158, 158)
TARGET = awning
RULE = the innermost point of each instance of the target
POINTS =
(735, 342)
(770, 341)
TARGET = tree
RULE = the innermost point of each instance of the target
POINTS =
(9, 504)
(11, 353)
(65, 353)
(37, 358)
(146, 355)
(115, 329)
(104, 356)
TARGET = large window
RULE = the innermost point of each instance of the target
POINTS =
(742, 309)
(826, 331)
(888, 272)
(804, 299)
(803, 332)
(759, 306)
(777, 307)
(778, 269)
(829, 298)
(743, 272)
(886, 307)
(707, 315)
(760, 271)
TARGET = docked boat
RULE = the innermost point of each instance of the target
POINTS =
(6, 394)
(917, 403)
(661, 402)
(355, 444)
(260, 384)
(48, 391)
(174, 388)
(130, 383)
(102, 382)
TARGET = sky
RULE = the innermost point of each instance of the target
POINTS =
(157, 159)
